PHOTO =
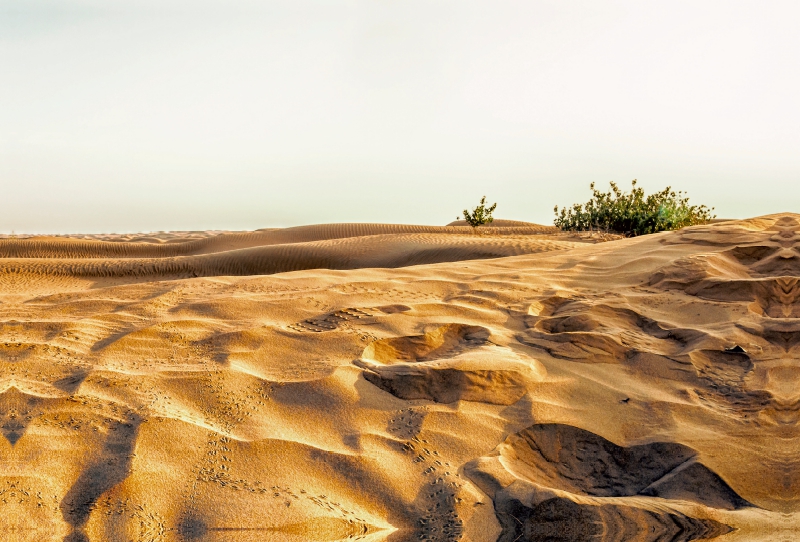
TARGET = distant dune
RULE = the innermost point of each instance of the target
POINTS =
(393, 383)
(113, 260)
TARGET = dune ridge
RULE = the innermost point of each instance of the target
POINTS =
(188, 244)
(347, 253)
(394, 383)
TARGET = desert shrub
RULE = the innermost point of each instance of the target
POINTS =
(480, 215)
(632, 213)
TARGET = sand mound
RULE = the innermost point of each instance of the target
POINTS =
(437, 366)
(390, 383)
(441, 342)
(568, 459)
(539, 479)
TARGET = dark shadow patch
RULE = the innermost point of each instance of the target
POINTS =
(448, 385)
(17, 409)
(562, 520)
(111, 339)
(71, 383)
(191, 527)
(110, 468)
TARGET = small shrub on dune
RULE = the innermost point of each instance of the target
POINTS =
(480, 215)
(632, 213)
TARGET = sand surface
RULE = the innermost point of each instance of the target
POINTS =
(396, 383)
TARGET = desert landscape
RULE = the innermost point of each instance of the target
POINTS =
(393, 383)
(399, 271)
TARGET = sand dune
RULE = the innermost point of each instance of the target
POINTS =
(396, 383)
(334, 246)
(346, 253)
(193, 243)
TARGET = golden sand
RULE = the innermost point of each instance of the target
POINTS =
(392, 383)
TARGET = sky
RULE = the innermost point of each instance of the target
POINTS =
(149, 115)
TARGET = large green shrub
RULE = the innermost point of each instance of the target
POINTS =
(632, 213)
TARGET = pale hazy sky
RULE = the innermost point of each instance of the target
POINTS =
(126, 115)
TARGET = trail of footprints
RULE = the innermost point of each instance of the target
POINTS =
(360, 526)
(215, 465)
(150, 526)
(215, 469)
(439, 520)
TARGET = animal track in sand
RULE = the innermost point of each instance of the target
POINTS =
(407, 423)
(437, 500)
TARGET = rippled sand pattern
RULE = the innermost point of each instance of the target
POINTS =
(399, 383)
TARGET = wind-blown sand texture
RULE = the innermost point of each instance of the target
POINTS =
(398, 383)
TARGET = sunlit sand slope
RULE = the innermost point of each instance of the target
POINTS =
(402, 385)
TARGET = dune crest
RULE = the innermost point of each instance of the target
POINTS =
(391, 383)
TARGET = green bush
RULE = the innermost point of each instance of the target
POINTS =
(480, 215)
(632, 213)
